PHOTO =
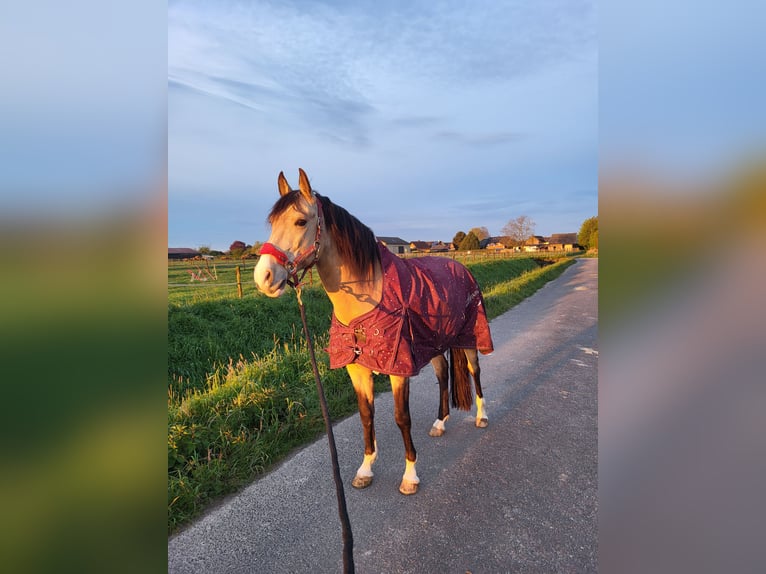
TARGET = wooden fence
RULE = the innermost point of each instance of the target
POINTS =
(198, 274)
(195, 275)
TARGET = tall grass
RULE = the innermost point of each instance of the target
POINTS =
(221, 436)
(204, 337)
(241, 392)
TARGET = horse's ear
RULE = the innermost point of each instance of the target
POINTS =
(284, 187)
(304, 185)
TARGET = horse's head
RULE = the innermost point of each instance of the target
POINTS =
(295, 233)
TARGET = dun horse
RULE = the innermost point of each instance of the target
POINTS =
(390, 315)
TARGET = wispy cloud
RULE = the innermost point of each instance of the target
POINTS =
(416, 122)
(214, 89)
(266, 58)
(478, 139)
(328, 66)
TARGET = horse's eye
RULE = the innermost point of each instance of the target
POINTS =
(301, 223)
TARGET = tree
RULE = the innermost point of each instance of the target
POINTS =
(481, 233)
(520, 229)
(256, 248)
(588, 235)
(459, 236)
(469, 242)
(204, 249)
(236, 248)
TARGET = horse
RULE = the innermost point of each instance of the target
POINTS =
(390, 315)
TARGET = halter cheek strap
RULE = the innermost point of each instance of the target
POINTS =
(292, 266)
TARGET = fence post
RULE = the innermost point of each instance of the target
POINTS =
(239, 283)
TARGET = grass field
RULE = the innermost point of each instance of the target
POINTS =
(241, 392)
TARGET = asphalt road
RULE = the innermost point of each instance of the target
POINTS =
(518, 496)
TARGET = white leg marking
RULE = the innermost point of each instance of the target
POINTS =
(438, 428)
(439, 424)
(410, 474)
(481, 413)
(369, 459)
(410, 480)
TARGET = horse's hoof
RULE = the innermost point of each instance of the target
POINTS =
(435, 432)
(482, 423)
(408, 487)
(361, 481)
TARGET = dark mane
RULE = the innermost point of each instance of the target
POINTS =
(354, 241)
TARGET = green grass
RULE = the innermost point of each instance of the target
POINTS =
(204, 337)
(503, 295)
(220, 280)
(241, 393)
(221, 437)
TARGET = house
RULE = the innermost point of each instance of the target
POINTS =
(536, 243)
(182, 253)
(396, 245)
(506, 240)
(492, 243)
(563, 242)
(429, 247)
(424, 246)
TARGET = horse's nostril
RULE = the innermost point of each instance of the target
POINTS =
(267, 277)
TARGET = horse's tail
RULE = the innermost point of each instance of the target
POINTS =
(460, 380)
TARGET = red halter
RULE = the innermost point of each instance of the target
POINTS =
(292, 266)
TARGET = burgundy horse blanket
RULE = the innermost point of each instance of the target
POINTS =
(429, 305)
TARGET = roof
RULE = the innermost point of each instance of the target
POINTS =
(564, 238)
(182, 251)
(393, 240)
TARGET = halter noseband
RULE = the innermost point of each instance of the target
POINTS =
(293, 266)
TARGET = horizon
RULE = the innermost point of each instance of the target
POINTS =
(198, 245)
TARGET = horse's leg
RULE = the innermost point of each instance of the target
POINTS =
(361, 378)
(441, 369)
(401, 389)
(473, 366)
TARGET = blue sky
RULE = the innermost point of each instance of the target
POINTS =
(421, 118)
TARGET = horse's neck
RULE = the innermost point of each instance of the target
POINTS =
(351, 296)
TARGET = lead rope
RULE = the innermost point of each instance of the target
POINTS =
(348, 539)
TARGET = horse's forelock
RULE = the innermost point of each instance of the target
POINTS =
(283, 204)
